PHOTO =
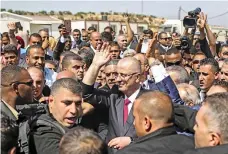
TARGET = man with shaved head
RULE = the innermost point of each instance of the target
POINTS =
(95, 41)
(37, 76)
(153, 113)
(119, 101)
(65, 74)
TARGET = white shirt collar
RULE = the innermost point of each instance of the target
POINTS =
(146, 84)
(166, 48)
(93, 48)
(133, 96)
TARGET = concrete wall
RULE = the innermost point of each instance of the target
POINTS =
(53, 29)
(6, 19)
(102, 25)
(77, 25)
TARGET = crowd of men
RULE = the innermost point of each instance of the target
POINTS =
(90, 92)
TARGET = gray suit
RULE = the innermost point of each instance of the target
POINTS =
(7, 111)
(114, 100)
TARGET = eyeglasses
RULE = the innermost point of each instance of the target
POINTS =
(115, 74)
(37, 43)
(124, 76)
(196, 61)
(114, 50)
(225, 53)
(30, 83)
(175, 63)
(165, 38)
(187, 59)
(221, 59)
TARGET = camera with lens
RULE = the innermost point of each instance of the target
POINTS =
(191, 20)
(185, 43)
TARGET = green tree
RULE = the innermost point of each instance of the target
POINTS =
(60, 13)
(10, 10)
(43, 12)
(2, 9)
(18, 12)
(60, 17)
(52, 12)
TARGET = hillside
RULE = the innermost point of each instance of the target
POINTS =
(152, 21)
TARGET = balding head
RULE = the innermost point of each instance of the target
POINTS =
(95, 39)
(65, 74)
(38, 78)
(130, 63)
(122, 41)
(189, 94)
(129, 70)
(152, 110)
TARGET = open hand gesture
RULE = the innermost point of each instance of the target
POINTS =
(102, 56)
(11, 26)
(201, 22)
(126, 18)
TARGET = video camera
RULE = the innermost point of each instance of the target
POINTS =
(185, 43)
(191, 20)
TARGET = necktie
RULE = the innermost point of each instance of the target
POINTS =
(126, 102)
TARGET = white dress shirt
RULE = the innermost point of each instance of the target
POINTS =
(132, 99)
(93, 48)
(50, 76)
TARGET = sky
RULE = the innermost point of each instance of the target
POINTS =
(166, 9)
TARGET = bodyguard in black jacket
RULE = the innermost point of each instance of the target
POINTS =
(154, 119)
(210, 124)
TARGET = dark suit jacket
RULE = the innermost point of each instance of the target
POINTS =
(115, 102)
(184, 117)
(162, 141)
(7, 111)
(98, 119)
(220, 149)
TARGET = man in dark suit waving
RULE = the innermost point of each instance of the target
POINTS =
(121, 130)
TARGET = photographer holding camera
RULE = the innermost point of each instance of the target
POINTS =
(197, 19)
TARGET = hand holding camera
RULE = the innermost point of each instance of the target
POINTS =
(191, 20)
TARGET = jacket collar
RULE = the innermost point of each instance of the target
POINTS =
(166, 131)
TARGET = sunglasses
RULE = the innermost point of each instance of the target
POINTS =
(165, 38)
(196, 61)
(114, 50)
(175, 63)
(225, 53)
(37, 43)
(30, 83)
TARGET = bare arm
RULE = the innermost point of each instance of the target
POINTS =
(201, 23)
(86, 108)
(151, 47)
(185, 33)
(129, 31)
(211, 39)
(139, 45)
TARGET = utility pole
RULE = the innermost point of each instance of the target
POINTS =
(142, 7)
(179, 13)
